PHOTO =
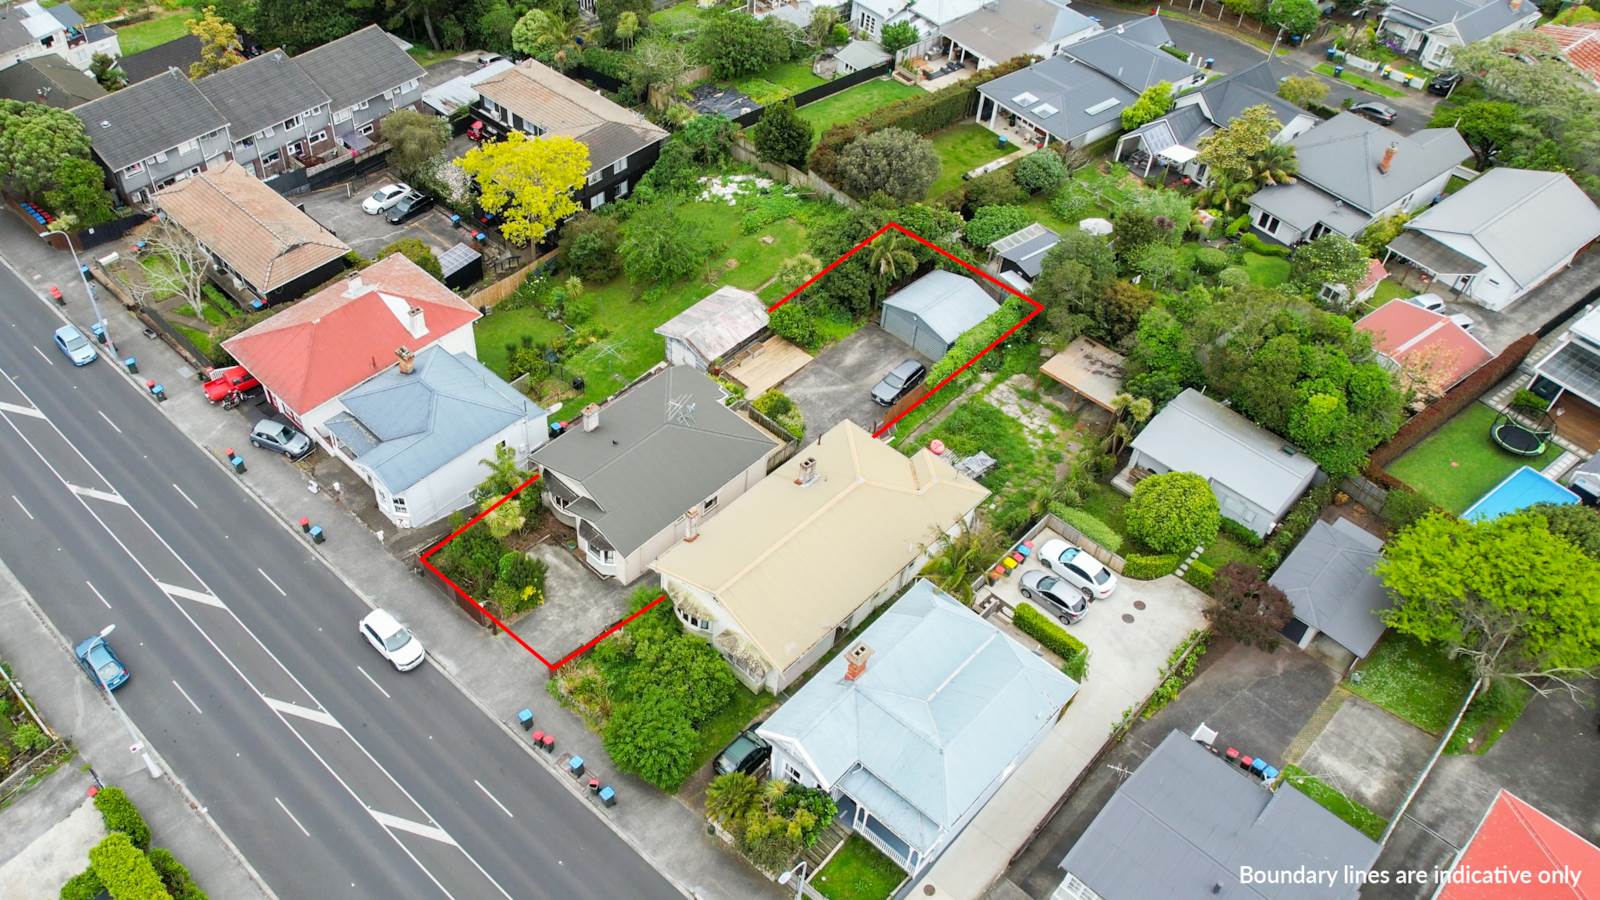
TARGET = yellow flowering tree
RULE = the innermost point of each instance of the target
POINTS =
(528, 182)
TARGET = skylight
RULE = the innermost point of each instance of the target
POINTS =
(1025, 99)
(1102, 106)
(1045, 110)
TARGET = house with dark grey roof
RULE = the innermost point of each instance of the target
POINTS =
(418, 432)
(1352, 173)
(640, 472)
(1569, 378)
(178, 53)
(916, 725)
(1329, 579)
(1431, 30)
(1022, 252)
(275, 112)
(1174, 139)
(366, 75)
(1501, 236)
(1078, 97)
(1003, 29)
(931, 313)
(1188, 823)
(29, 30)
(154, 133)
(50, 80)
(1255, 474)
(535, 99)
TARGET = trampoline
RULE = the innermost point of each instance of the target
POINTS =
(1518, 438)
(1520, 490)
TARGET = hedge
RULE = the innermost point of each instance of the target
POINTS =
(1241, 532)
(85, 885)
(175, 875)
(1044, 629)
(125, 870)
(979, 336)
(1251, 242)
(1237, 225)
(1200, 575)
(1092, 528)
(121, 815)
(1147, 567)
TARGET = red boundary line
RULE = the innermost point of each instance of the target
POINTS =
(892, 226)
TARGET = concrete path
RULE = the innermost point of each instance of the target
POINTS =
(61, 852)
(1369, 755)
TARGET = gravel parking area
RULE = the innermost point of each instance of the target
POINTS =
(338, 209)
(837, 385)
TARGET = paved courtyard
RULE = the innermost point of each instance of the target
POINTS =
(837, 385)
(338, 209)
(579, 604)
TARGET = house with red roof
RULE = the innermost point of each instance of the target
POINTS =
(1580, 46)
(309, 354)
(1431, 352)
(1519, 853)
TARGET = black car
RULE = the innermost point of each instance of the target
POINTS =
(410, 205)
(1382, 113)
(900, 381)
(1443, 83)
(747, 754)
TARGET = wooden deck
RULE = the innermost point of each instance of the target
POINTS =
(1578, 421)
(766, 365)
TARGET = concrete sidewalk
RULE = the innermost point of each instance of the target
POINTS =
(490, 669)
(42, 662)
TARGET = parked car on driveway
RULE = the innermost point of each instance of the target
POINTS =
(1442, 84)
(77, 348)
(1078, 568)
(1382, 113)
(1067, 602)
(412, 204)
(225, 381)
(747, 753)
(1429, 302)
(384, 198)
(1463, 320)
(101, 663)
(392, 639)
(900, 381)
(270, 434)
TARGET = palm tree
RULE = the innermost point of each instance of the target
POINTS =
(729, 798)
(627, 28)
(1225, 191)
(554, 37)
(890, 260)
(1274, 165)
(1129, 411)
(961, 560)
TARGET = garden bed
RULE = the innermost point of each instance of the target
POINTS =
(1459, 463)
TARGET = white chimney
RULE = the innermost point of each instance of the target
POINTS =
(415, 323)
(354, 287)
(691, 525)
(808, 471)
(591, 417)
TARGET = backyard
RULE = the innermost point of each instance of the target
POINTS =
(1424, 686)
(858, 871)
(961, 149)
(1459, 463)
(849, 105)
(153, 32)
(782, 80)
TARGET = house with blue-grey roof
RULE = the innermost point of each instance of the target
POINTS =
(917, 723)
(1432, 30)
(419, 430)
(1188, 823)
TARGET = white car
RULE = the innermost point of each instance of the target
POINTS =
(1465, 321)
(393, 639)
(1429, 302)
(383, 198)
(1078, 568)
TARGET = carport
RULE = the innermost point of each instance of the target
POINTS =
(929, 314)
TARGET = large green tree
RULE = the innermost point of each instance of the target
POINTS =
(1155, 102)
(80, 191)
(652, 738)
(1513, 599)
(1330, 259)
(552, 39)
(299, 25)
(1230, 149)
(734, 44)
(1173, 512)
(892, 161)
(660, 246)
(1072, 278)
(34, 141)
(1293, 16)
(414, 139)
(1488, 126)
(781, 136)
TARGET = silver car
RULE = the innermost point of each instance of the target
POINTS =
(270, 434)
(1067, 602)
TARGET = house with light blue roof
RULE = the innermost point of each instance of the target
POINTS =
(418, 432)
(916, 725)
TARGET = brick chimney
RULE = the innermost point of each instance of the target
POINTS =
(808, 471)
(1388, 157)
(1516, 5)
(408, 360)
(591, 417)
(691, 525)
(856, 661)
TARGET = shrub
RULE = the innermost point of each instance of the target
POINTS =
(1241, 533)
(125, 871)
(1173, 512)
(1233, 277)
(777, 406)
(897, 162)
(1404, 507)
(1148, 567)
(1092, 528)
(1041, 171)
(175, 875)
(991, 223)
(589, 246)
(1247, 608)
(1237, 225)
(121, 815)
(1077, 667)
(1210, 260)
(793, 322)
(29, 738)
(416, 251)
(85, 885)
(652, 738)
(1526, 401)
(1200, 575)
(781, 136)
(1256, 244)
(519, 583)
(997, 188)
(1044, 629)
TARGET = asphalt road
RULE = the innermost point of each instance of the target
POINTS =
(333, 773)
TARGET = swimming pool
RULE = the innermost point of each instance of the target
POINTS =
(1520, 490)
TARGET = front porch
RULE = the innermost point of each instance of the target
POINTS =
(1425, 265)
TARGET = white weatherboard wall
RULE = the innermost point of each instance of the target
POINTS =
(450, 486)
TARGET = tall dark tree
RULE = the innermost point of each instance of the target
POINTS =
(299, 25)
(782, 136)
(1246, 608)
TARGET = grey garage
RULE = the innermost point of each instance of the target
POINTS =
(931, 312)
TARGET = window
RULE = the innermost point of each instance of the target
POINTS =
(594, 177)
(342, 115)
(291, 122)
(188, 147)
(710, 504)
(367, 128)
(389, 94)
(265, 132)
(161, 157)
(1268, 223)
(271, 158)
(363, 104)
(297, 148)
(619, 165)
(868, 23)
(692, 620)
(134, 169)
(790, 772)
(399, 504)
(598, 200)
(622, 190)
(319, 137)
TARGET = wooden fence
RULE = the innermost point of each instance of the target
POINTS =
(505, 287)
(804, 179)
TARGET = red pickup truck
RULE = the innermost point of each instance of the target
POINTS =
(225, 381)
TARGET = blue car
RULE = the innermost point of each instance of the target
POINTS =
(77, 348)
(100, 663)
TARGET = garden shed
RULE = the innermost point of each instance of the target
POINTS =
(931, 312)
(714, 328)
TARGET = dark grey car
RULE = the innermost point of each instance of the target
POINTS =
(1068, 602)
(410, 205)
(270, 434)
(900, 381)
(747, 754)
(1382, 113)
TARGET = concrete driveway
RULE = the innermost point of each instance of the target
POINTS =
(579, 605)
(837, 385)
(338, 209)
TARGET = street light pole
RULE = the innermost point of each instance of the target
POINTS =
(799, 882)
(138, 745)
(88, 288)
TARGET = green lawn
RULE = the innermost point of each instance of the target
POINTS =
(630, 345)
(961, 149)
(1388, 290)
(858, 872)
(200, 339)
(138, 38)
(1333, 800)
(1267, 271)
(1226, 549)
(782, 80)
(720, 730)
(1381, 88)
(1424, 686)
(427, 56)
(852, 103)
(1106, 503)
(1460, 463)
(677, 19)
